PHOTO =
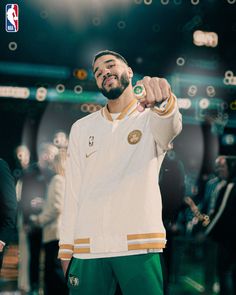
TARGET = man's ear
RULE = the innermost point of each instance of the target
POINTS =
(131, 74)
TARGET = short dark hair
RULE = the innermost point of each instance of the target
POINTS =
(108, 52)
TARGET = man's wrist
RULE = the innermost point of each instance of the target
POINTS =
(162, 104)
(167, 107)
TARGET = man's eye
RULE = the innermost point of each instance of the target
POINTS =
(98, 75)
(110, 66)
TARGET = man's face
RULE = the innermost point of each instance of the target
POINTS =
(221, 168)
(47, 155)
(112, 76)
(23, 155)
(60, 140)
(51, 152)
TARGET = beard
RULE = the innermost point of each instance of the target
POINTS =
(116, 92)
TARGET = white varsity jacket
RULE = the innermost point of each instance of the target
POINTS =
(112, 198)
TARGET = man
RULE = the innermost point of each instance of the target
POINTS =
(221, 211)
(172, 172)
(8, 207)
(22, 156)
(35, 181)
(111, 221)
(204, 212)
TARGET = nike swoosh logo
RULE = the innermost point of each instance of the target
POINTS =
(90, 154)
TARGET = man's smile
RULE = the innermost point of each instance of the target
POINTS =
(109, 80)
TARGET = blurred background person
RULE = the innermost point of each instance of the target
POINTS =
(22, 156)
(46, 154)
(172, 186)
(172, 172)
(212, 224)
(8, 208)
(222, 223)
(49, 219)
(35, 183)
(207, 205)
(201, 216)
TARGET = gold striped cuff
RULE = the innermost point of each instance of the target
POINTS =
(82, 250)
(146, 241)
(146, 246)
(168, 109)
(62, 255)
(146, 236)
(82, 246)
(65, 251)
(82, 241)
(66, 247)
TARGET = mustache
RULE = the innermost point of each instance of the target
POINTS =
(116, 92)
(108, 76)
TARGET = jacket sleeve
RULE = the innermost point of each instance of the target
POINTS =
(166, 123)
(53, 206)
(72, 187)
(8, 204)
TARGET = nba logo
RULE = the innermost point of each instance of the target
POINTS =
(12, 21)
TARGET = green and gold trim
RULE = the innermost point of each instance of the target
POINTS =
(139, 241)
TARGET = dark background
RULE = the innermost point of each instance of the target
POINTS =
(58, 38)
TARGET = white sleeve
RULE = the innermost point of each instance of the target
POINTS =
(72, 187)
(166, 123)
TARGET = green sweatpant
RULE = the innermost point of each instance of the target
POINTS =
(136, 275)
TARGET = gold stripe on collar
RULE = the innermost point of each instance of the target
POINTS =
(126, 109)
(133, 111)
(107, 114)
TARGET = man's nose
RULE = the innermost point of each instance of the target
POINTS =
(106, 72)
